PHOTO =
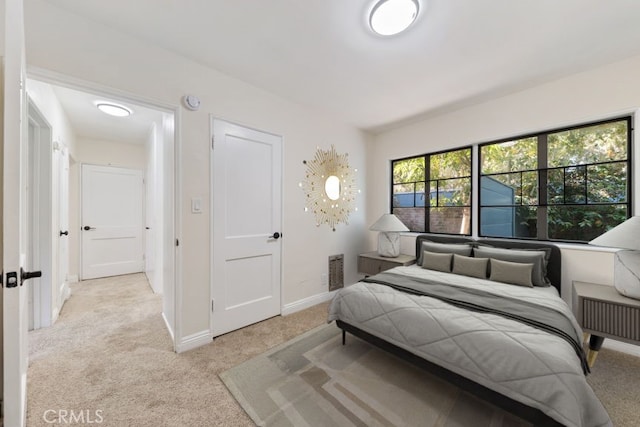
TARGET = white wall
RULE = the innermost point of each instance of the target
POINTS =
(45, 99)
(591, 95)
(111, 153)
(64, 43)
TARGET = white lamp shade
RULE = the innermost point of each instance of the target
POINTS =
(624, 236)
(626, 263)
(388, 222)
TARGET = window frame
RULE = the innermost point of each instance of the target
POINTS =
(427, 180)
(542, 233)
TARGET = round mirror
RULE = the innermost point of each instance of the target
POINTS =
(332, 187)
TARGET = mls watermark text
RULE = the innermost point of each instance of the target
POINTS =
(71, 416)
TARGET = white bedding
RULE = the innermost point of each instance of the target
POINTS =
(519, 361)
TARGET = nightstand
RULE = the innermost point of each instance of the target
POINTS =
(371, 263)
(604, 313)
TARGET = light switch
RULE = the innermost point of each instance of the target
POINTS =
(196, 205)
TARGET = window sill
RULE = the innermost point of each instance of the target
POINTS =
(584, 247)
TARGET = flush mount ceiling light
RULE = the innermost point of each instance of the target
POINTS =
(113, 109)
(389, 17)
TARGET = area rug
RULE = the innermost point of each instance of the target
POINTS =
(313, 380)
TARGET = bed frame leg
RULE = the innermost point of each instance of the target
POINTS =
(344, 337)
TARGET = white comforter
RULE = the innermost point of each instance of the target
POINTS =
(524, 363)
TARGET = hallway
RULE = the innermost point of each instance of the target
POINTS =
(96, 349)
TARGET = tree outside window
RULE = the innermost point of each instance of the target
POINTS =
(568, 185)
(432, 193)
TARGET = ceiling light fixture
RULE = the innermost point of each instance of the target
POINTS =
(389, 17)
(113, 109)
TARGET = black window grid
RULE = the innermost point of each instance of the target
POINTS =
(427, 207)
(543, 176)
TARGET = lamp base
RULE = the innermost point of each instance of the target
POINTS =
(389, 244)
(626, 276)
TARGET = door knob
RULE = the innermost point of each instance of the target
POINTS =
(26, 275)
(87, 228)
(276, 235)
(64, 233)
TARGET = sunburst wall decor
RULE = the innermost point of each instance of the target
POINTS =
(330, 187)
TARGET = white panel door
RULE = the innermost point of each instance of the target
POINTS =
(112, 221)
(247, 180)
(15, 213)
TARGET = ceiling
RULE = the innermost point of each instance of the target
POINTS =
(321, 53)
(89, 122)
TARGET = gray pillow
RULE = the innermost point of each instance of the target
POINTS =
(538, 258)
(514, 273)
(444, 248)
(436, 261)
(467, 266)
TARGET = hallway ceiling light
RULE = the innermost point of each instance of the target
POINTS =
(113, 109)
(389, 17)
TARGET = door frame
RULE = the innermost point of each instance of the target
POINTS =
(15, 304)
(61, 168)
(173, 224)
(212, 119)
(41, 226)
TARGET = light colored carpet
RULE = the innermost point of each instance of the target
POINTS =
(110, 351)
(315, 380)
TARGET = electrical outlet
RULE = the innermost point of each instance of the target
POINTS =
(324, 279)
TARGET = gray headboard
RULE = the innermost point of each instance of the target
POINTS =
(554, 267)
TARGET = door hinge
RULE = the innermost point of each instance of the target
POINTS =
(212, 306)
(212, 143)
(177, 242)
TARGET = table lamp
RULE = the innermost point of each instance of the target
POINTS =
(626, 273)
(389, 227)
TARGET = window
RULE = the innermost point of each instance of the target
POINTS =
(570, 184)
(432, 192)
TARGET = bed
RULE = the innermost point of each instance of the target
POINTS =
(516, 346)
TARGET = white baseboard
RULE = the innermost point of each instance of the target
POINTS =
(65, 291)
(72, 279)
(170, 329)
(622, 347)
(306, 303)
(194, 341)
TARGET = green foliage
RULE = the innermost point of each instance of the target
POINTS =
(510, 156)
(593, 144)
(586, 185)
(451, 164)
(584, 223)
(409, 176)
(409, 170)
